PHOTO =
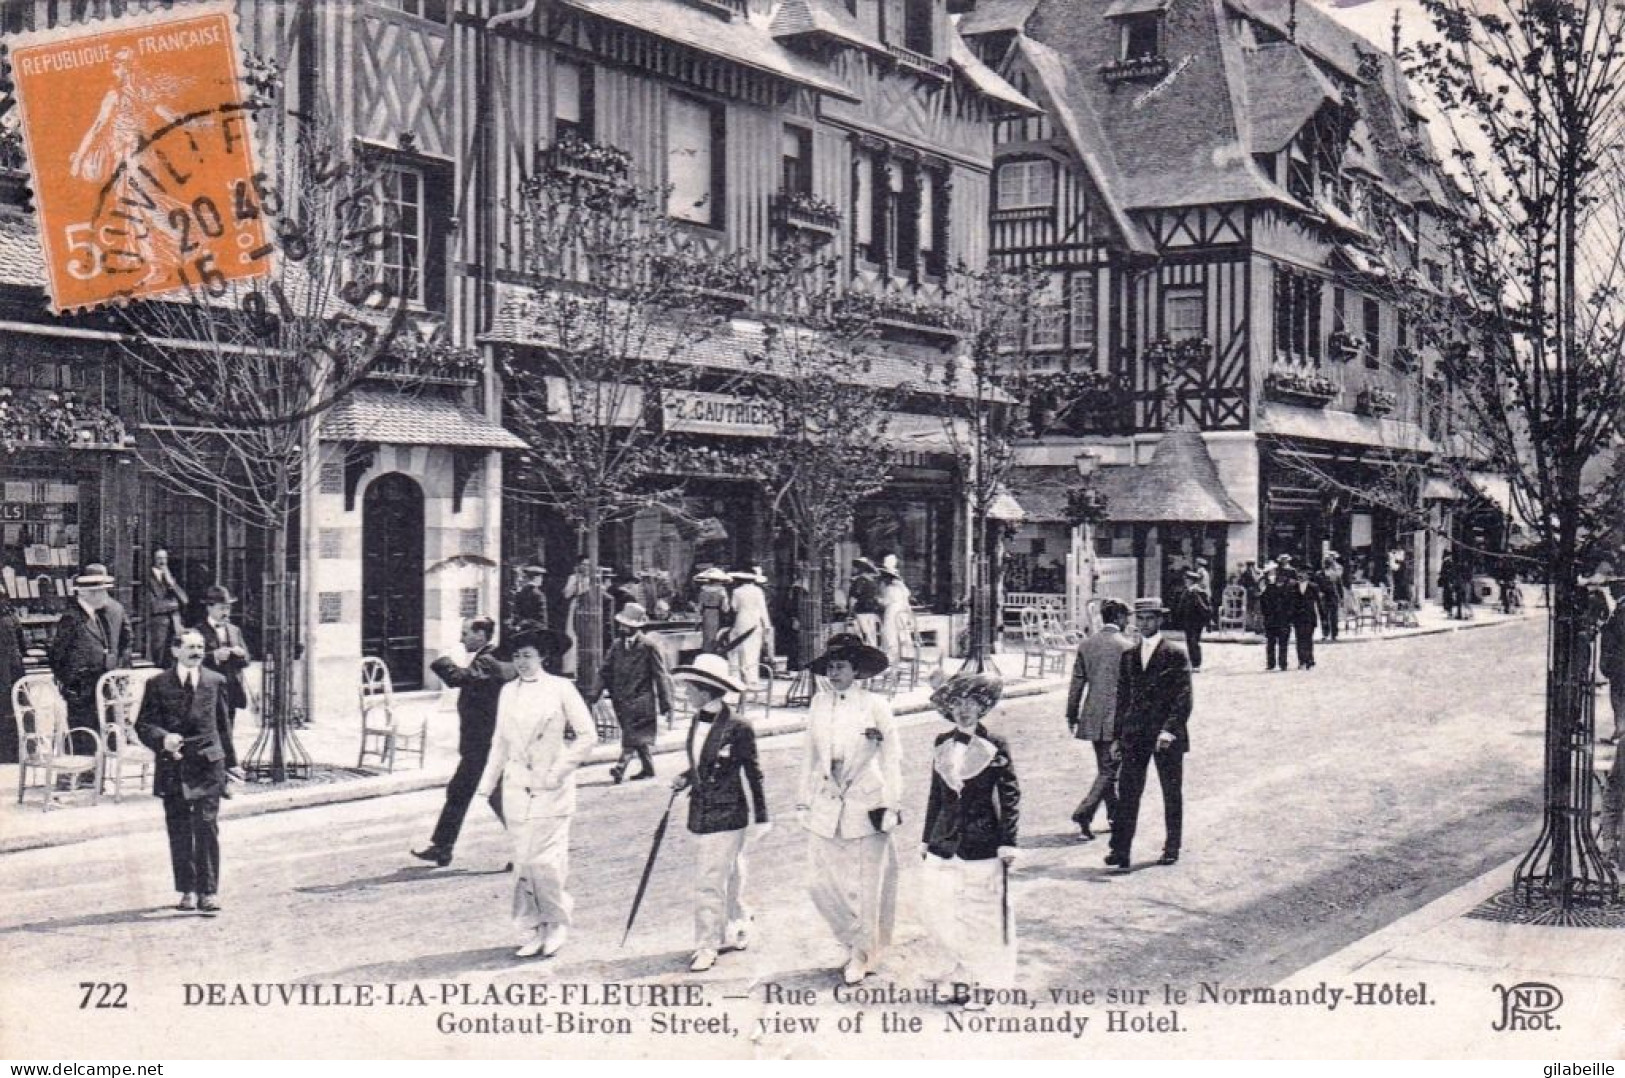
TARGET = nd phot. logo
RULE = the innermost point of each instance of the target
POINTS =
(1529, 1005)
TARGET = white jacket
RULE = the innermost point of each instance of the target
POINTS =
(871, 776)
(530, 753)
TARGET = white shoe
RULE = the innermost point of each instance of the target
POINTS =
(531, 947)
(704, 959)
(553, 941)
(856, 970)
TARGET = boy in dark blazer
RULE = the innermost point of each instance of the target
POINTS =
(184, 712)
(726, 808)
(1153, 708)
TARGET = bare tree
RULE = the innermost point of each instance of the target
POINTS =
(623, 306)
(1532, 90)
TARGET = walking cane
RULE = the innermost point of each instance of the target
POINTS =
(649, 866)
(1004, 900)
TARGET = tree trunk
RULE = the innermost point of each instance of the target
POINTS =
(590, 628)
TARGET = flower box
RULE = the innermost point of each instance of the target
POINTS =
(588, 160)
(1135, 70)
(1374, 401)
(1305, 390)
(901, 314)
(798, 211)
(1342, 348)
(919, 62)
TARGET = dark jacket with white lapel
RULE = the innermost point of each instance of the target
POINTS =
(80, 652)
(725, 791)
(985, 812)
(1155, 698)
(229, 635)
(205, 754)
(479, 685)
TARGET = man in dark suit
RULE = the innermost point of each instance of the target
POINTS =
(92, 637)
(1153, 708)
(1305, 617)
(165, 600)
(224, 651)
(478, 684)
(1192, 612)
(1275, 606)
(183, 716)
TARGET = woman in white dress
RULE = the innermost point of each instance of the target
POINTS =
(544, 732)
(575, 593)
(896, 609)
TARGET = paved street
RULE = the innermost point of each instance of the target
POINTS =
(1320, 806)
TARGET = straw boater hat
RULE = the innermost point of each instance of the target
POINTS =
(94, 576)
(867, 661)
(633, 616)
(534, 570)
(708, 670)
(1149, 606)
(712, 575)
(754, 575)
(547, 641)
(984, 688)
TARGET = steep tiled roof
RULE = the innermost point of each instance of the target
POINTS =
(795, 17)
(744, 40)
(21, 261)
(1176, 141)
(1179, 484)
(1073, 110)
(984, 79)
(1284, 91)
(369, 415)
(1043, 490)
(996, 16)
(730, 348)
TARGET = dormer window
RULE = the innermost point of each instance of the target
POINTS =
(1141, 37)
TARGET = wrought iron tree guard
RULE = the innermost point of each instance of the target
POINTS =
(276, 754)
(1565, 870)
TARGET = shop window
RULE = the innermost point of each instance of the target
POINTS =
(1083, 313)
(1184, 314)
(796, 174)
(695, 159)
(573, 101)
(1026, 184)
(1372, 328)
(1141, 36)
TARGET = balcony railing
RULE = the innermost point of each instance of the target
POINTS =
(802, 212)
(1135, 69)
(58, 421)
(457, 370)
(919, 62)
(906, 315)
(1302, 389)
(576, 157)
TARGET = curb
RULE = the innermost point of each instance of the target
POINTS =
(1406, 634)
(393, 785)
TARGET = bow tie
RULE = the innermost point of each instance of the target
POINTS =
(962, 737)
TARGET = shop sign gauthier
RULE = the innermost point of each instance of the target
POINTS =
(693, 411)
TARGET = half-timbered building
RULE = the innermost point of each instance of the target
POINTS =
(1239, 200)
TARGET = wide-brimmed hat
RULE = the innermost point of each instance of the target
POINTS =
(547, 641)
(1192, 574)
(754, 574)
(218, 593)
(1149, 605)
(95, 575)
(984, 688)
(709, 670)
(1284, 560)
(533, 570)
(888, 564)
(848, 647)
(633, 616)
(712, 575)
(865, 564)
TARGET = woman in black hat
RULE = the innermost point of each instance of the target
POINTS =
(970, 837)
(543, 733)
(851, 786)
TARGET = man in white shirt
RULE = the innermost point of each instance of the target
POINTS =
(851, 786)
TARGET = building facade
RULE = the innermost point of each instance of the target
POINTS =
(1243, 211)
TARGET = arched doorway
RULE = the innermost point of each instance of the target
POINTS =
(392, 577)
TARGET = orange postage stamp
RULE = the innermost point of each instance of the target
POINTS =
(141, 155)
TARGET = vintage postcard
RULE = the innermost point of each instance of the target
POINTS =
(767, 529)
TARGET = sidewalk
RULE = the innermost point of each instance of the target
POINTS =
(333, 745)
(1430, 619)
(1465, 963)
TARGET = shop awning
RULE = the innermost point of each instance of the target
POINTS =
(1440, 490)
(1497, 489)
(1006, 508)
(390, 418)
